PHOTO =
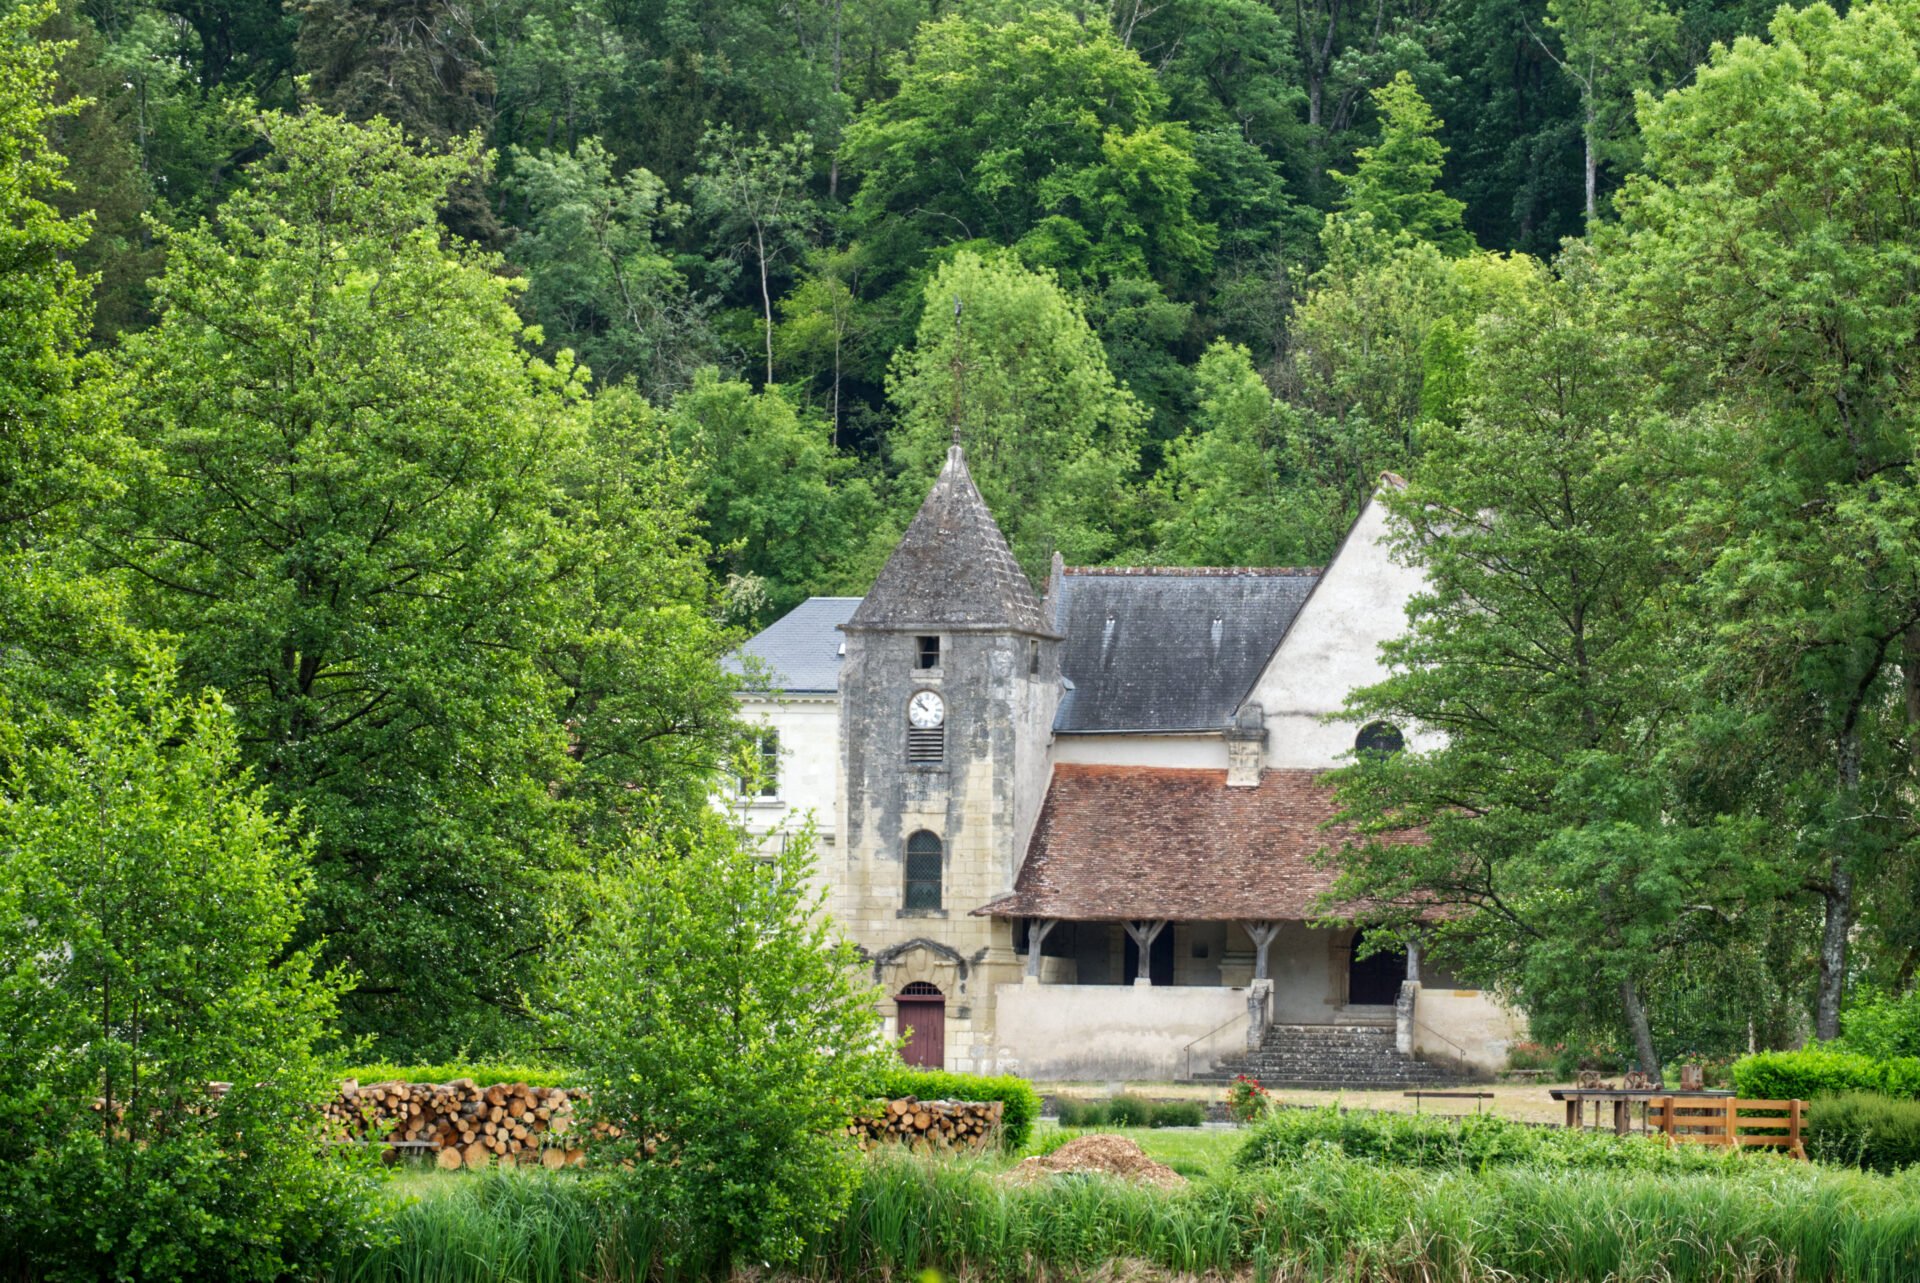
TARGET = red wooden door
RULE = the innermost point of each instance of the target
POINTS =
(923, 1023)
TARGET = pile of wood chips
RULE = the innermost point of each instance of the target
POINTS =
(934, 1124)
(468, 1125)
(1098, 1155)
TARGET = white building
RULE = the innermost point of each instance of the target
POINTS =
(1073, 833)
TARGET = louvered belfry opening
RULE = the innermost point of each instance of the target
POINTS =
(923, 871)
(926, 744)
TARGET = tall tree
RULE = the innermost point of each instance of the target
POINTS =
(1609, 49)
(753, 195)
(355, 514)
(1770, 255)
(57, 623)
(1006, 360)
(1533, 682)
(1037, 131)
(1396, 181)
(601, 278)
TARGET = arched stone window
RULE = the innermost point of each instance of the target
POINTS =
(1379, 739)
(923, 871)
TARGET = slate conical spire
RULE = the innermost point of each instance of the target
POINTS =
(952, 569)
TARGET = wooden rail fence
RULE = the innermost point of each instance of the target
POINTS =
(1741, 1124)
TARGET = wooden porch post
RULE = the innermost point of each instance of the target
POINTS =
(1037, 929)
(1262, 934)
(1144, 934)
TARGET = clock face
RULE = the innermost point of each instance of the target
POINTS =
(926, 711)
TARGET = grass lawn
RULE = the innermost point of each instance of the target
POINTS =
(1194, 1152)
(1522, 1102)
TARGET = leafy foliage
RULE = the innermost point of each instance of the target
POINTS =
(1289, 1136)
(1004, 358)
(709, 1003)
(149, 900)
(1876, 1132)
(1817, 1071)
(408, 552)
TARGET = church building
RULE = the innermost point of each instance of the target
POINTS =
(1072, 831)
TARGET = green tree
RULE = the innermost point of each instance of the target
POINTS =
(1396, 182)
(1038, 131)
(1769, 257)
(636, 662)
(57, 443)
(1225, 496)
(600, 280)
(149, 900)
(356, 514)
(1534, 680)
(1376, 344)
(780, 505)
(711, 1003)
(417, 63)
(1609, 49)
(1005, 359)
(753, 195)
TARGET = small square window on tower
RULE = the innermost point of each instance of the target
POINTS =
(927, 652)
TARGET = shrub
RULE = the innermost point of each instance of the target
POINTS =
(1865, 1129)
(1531, 1055)
(1074, 1112)
(147, 901)
(1179, 1113)
(1017, 1094)
(1247, 1100)
(483, 1075)
(1426, 1140)
(1882, 1025)
(1130, 1111)
(709, 1003)
(1823, 1071)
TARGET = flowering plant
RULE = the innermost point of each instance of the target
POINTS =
(1246, 1099)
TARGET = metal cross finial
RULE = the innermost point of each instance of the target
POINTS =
(959, 367)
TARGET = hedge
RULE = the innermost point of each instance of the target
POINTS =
(1130, 1111)
(1022, 1102)
(1822, 1071)
(1289, 1137)
(1876, 1132)
(482, 1075)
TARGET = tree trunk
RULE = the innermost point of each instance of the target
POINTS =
(1593, 165)
(766, 298)
(1642, 1031)
(1838, 894)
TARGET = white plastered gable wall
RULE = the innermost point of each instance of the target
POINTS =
(1334, 647)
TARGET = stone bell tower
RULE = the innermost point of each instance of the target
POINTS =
(947, 695)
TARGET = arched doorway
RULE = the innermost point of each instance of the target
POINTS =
(923, 1023)
(1374, 981)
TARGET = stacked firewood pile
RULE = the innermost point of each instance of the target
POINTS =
(466, 1124)
(936, 1124)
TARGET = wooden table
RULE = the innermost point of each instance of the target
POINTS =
(1576, 1099)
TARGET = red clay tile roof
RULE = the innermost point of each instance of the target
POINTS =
(1123, 842)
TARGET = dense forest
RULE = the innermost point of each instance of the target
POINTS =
(760, 215)
(448, 386)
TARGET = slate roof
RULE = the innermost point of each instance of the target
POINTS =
(1163, 649)
(1139, 842)
(952, 569)
(801, 650)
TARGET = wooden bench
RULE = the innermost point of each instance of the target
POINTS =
(1475, 1096)
(1740, 1124)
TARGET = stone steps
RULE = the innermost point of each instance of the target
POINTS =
(1330, 1058)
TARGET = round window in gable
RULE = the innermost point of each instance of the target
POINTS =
(1379, 739)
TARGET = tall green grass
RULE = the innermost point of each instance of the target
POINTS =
(1330, 1217)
